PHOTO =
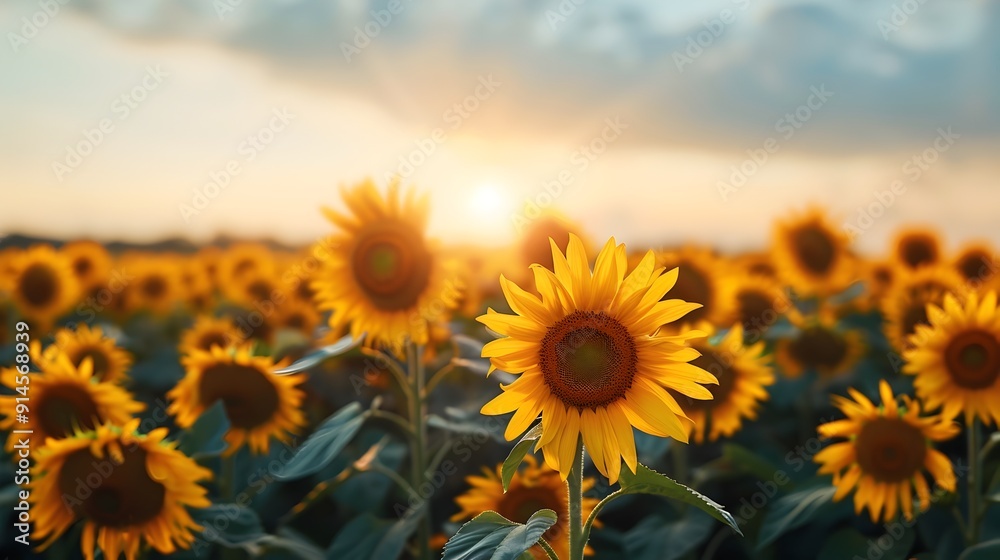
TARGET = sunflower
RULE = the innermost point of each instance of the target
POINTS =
(917, 247)
(255, 288)
(65, 398)
(42, 285)
(703, 278)
(294, 315)
(744, 375)
(888, 448)
(137, 489)
(956, 358)
(196, 285)
(590, 358)
(156, 285)
(905, 305)
(758, 301)
(259, 404)
(240, 261)
(977, 263)
(531, 489)
(382, 276)
(819, 345)
(90, 261)
(879, 277)
(811, 254)
(208, 332)
(757, 264)
(110, 362)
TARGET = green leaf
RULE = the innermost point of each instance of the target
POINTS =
(337, 348)
(895, 544)
(793, 510)
(655, 538)
(325, 443)
(491, 536)
(747, 461)
(513, 460)
(648, 481)
(358, 539)
(392, 543)
(989, 550)
(229, 525)
(206, 435)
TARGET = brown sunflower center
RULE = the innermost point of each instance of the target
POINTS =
(249, 397)
(913, 316)
(392, 265)
(243, 267)
(39, 284)
(295, 321)
(692, 286)
(210, 339)
(815, 249)
(521, 502)
(111, 495)
(818, 347)
(918, 250)
(975, 266)
(588, 359)
(153, 287)
(713, 363)
(260, 290)
(890, 449)
(98, 359)
(973, 359)
(762, 268)
(753, 305)
(64, 408)
(82, 266)
(304, 291)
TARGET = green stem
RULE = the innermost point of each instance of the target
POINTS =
(972, 489)
(415, 365)
(548, 549)
(576, 538)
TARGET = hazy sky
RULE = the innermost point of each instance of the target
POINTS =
(120, 117)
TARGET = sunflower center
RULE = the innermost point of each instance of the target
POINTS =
(521, 502)
(295, 321)
(818, 347)
(98, 360)
(711, 362)
(692, 286)
(82, 266)
(753, 305)
(588, 359)
(64, 408)
(814, 248)
(260, 290)
(890, 449)
(913, 316)
(210, 339)
(154, 287)
(303, 291)
(39, 284)
(975, 266)
(916, 251)
(250, 399)
(392, 265)
(973, 359)
(111, 495)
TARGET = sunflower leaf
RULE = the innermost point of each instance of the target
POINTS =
(337, 348)
(648, 481)
(491, 536)
(793, 510)
(206, 437)
(982, 551)
(513, 460)
(325, 443)
(394, 540)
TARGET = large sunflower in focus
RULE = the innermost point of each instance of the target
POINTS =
(138, 489)
(812, 254)
(744, 375)
(90, 262)
(914, 248)
(110, 362)
(65, 398)
(956, 358)
(531, 489)
(904, 306)
(589, 358)
(887, 450)
(42, 285)
(702, 278)
(259, 404)
(383, 277)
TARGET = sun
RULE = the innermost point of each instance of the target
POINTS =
(488, 205)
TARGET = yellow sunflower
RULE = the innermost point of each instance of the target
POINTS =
(156, 283)
(916, 247)
(879, 278)
(758, 301)
(977, 263)
(956, 358)
(819, 345)
(90, 261)
(744, 374)
(383, 277)
(590, 359)
(757, 264)
(42, 285)
(255, 288)
(208, 332)
(294, 315)
(905, 305)
(65, 398)
(127, 488)
(110, 362)
(888, 449)
(812, 255)
(238, 262)
(196, 285)
(532, 488)
(703, 278)
(259, 404)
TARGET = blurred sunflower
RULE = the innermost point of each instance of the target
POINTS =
(702, 278)
(90, 262)
(295, 315)
(812, 255)
(977, 263)
(916, 247)
(144, 487)
(590, 359)
(888, 447)
(531, 489)
(66, 398)
(208, 258)
(905, 305)
(383, 277)
(479, 270)
(42, 285)
(238, 262)
(259, 404)
(110, 362)
(196, 285)
(533, 242)
(956, 358)
(757, 264)
(208, 332)
(758, 302)
(879, 278)
(819, 345)
(255, 288)
(156, 286)
(744, 374)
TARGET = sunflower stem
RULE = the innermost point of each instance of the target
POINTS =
(548, 549)
(972, 488)
(577, 541)
(415, 365)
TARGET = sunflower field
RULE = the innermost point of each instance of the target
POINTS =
(382, 394)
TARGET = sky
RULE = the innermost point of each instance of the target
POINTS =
(657, 122)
